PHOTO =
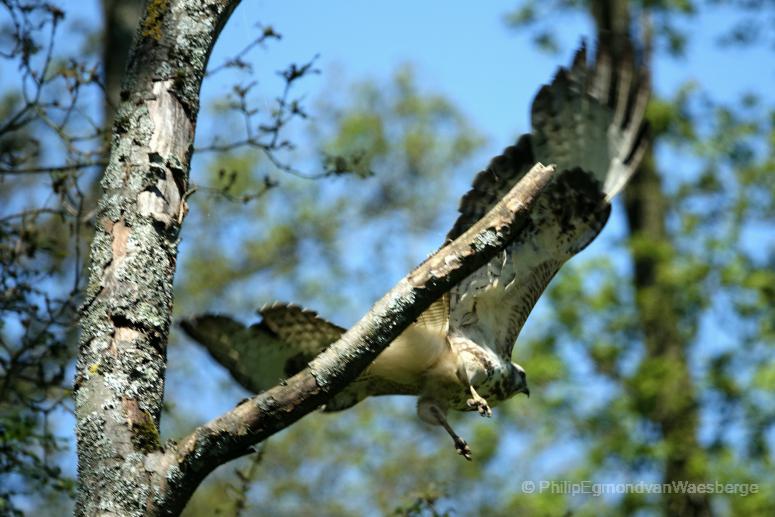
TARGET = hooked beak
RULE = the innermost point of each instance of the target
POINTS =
(526, 391)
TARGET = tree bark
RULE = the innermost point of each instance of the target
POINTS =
(127, 310)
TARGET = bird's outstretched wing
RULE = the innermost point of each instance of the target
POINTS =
(286, 339)
(261, 355)
(589, 123)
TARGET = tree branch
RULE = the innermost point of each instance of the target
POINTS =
(180, 469)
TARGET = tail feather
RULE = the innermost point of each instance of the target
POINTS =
(299, 327)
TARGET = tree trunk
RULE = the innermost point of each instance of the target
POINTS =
(673, 406)
(127, 309)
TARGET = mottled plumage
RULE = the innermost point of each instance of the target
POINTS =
(457, 355)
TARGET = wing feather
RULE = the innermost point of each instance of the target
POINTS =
(491, 184)
(299, 327)
(589, 122)
(261, 355)
(567, 217)
(254, 355)
(436, 316)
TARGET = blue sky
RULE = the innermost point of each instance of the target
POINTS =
(465, 51)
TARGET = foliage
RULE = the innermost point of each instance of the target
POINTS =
(712, 281)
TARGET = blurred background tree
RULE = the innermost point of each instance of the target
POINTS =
(650, 358)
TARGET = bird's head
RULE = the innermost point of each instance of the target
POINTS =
(517, 381)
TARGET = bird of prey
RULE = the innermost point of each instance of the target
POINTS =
(589, 124)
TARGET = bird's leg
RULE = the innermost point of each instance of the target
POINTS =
(478, 403)
(460, 444)
(470, 368)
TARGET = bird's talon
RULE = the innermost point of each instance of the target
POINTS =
(463, 449)
(481, 406)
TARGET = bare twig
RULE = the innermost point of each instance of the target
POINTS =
(45, 169)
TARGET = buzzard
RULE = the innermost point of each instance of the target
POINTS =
(589, 124)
